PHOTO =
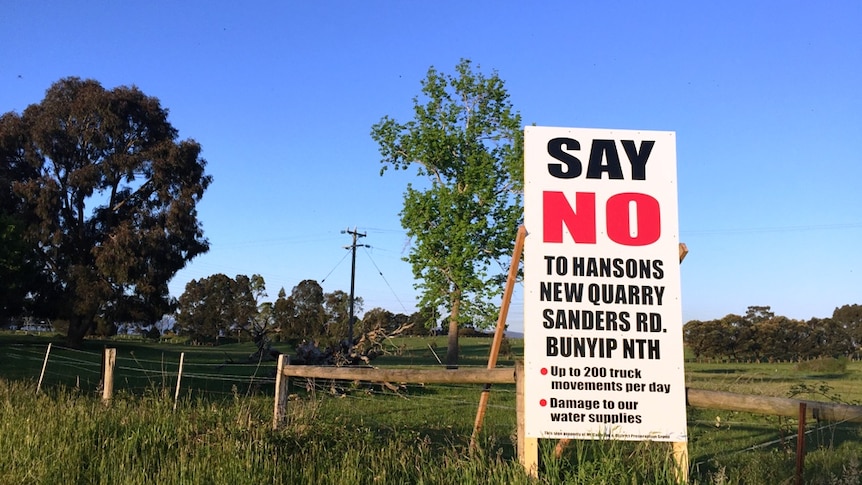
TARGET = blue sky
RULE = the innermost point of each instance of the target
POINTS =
(764, 96)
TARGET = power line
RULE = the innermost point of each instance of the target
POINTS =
(385, 281)
(334, 268)
(754, 230)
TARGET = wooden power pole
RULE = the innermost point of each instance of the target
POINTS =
(352, 247)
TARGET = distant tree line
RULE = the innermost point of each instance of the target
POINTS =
(219, 306)
(760, 335)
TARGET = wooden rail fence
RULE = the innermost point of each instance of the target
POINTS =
(527, 447)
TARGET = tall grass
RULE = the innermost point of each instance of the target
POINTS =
(350, 433)
(66, 437)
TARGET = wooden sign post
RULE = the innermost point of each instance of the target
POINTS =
(500, 330)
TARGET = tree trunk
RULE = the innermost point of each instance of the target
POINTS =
(78, 329)
(452, 343)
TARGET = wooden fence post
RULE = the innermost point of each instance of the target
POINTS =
(528, 448)
(800, 444)
(179, 378)
(680, 448)
(44, 365)
(281, 390)
(108, 375)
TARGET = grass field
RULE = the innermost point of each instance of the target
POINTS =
(342, 432)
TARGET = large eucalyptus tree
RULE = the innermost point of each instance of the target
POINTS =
(104, 195)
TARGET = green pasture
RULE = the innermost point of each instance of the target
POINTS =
(346, 432)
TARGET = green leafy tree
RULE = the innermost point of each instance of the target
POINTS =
(18, 274)
(716, 339)
(219, 305)
(761, 335)
(307, 315)
(24, 288)
(466, 143)
(377, 318)
(398, 320)
(850, 318)
(282, 309)
(207, 308)
(337, 307)
(253, 315)
(825, 337)
(778, 338)
(755, 314)
(695, 336)
(108, 197)
(728, 337)
(423, 320)
(265, 315)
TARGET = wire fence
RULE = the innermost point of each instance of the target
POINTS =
(206, 375)
(82, 369)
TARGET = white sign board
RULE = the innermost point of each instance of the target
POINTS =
(602, 311)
